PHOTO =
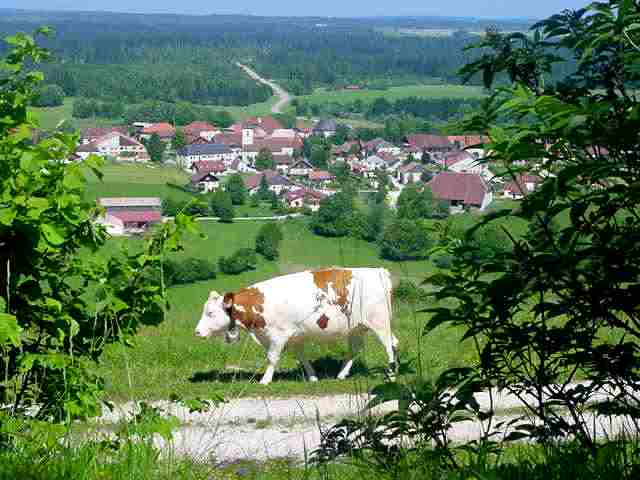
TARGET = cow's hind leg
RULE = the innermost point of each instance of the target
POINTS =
(273, 357)
(390, 344)
(356, 342)
(308, 368)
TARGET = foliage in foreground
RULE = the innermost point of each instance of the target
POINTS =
(58, 311)
(560, 304)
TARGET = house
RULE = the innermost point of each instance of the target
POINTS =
(325, 128)
(380, 145)
(202, 130)
(392, 162)
(283, 163)
(284, 133)
(301, 168)
(205, 181)
(214, 166)
(125, 215)
(372, 163)
(461, 190)
(91, 134)
(320, 178)
(411, 173)
(115, 145)
(165, 131)
(304, 197)
(268, 124)
(204, 152)
(276, 182)
(433, 145)
(521, 186)
(461, 161)
(277, 146)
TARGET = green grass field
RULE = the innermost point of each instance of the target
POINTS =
(321, 96)
(170, 358)
(137, 181)
(49, 117)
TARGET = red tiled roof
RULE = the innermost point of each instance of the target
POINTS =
(145, 216)
(468, 140)
(209, 166)
(273, 178)
(304, 193)
(425, 140)
(468, 188)
(229, 139)
(162, 129)
(283, 159)
(268, 124)
(519, 184)
(200, 176)
(97, 132)
(458, 156)
(320, 175)
(195, 128)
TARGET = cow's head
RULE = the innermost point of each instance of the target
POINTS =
(217, 318)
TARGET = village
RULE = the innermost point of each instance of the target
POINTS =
(450, 166)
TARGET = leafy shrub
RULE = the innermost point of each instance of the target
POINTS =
(407, 291)
(405, 240)
(244, 259)
(190, 270)
(268, 241)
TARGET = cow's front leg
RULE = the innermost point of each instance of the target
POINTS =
(273, 357)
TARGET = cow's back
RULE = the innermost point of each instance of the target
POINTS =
(328, 301)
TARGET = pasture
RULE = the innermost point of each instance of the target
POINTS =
(170, 359)
(131, 180)
(322, 96)
(49, 117)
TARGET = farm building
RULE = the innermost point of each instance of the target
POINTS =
(461, 190)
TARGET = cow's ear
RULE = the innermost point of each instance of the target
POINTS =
(214, 295)
(227, 301)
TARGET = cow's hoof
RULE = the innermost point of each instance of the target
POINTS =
(313, 379)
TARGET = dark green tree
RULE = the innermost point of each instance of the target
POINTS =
(405, 239)
(333, 218)
(179, 140)
(263, 189)
(49, 96)
(264, 160)
(268, 240)
(319, 155)
(236, 188)
(155, 148)
(221, 206)
(416, 202)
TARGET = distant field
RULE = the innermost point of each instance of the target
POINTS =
(321, 96)
(50, 117)
(137, 181)
(170, 358)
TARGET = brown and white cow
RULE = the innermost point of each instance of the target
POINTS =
(321, 305)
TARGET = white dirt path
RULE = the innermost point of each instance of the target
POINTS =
(263, 428)
(284, 96)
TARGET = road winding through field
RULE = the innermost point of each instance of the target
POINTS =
(281, 93)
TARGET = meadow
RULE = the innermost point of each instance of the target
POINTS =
(321, 95)
(50, 117)
(170, 359)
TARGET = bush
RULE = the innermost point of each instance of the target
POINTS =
(237, 190)
(244, 259)
(407, 291)
(221, 205)
(190, 270)
(268, 241)
(404, 240)
(49, 96)
(333, 219)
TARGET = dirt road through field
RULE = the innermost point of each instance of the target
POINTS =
(284, 96)
(263, 428)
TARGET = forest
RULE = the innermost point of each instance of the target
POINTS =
(192, 58)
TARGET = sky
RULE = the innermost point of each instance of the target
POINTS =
(335, 8)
